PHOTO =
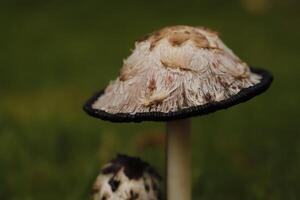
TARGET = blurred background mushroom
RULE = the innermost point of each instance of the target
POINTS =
(127, 178)
(56, 53)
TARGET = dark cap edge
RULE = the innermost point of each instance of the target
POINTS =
(243, 96)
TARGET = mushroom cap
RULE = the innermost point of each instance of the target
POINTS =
(127, 178)
(174, 73)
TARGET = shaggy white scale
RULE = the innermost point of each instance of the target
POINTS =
(175, 68)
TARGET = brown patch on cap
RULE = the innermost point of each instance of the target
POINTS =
(152, 85)
(175, 65)
(155, 38)
(242, 76)
(224, 84)
(154, 100)
(208, 30)
(208, 97)
(123, 77)
(178, 38)
(169, 80)
(200, 41)
(177, 35)
(245, 74)
(127, 72)
(184, 97)
(215, 65)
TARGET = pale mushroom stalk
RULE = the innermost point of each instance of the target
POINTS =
(178, 160)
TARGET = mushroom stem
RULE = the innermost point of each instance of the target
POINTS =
(179, 160)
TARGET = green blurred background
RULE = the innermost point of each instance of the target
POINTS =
(55, 54)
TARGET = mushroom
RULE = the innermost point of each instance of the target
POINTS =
(127, 178)
(173, 74)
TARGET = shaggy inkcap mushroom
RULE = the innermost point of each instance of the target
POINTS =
(175, 73)
(127, 178)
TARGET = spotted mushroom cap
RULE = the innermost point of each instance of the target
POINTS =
(127, 178)
(177, 72)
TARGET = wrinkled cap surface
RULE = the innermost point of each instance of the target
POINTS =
(127, 178)
(174, 73)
